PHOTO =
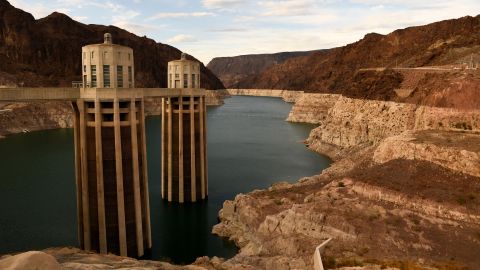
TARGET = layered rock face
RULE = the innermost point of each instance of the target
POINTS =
(345, 122)
(312, 108)
(458, 151)
(391, 214)
(47, 52)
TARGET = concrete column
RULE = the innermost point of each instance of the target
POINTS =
(145, 176)
(181, 195)
(102, 230)
(136, 179)
(169, 152)
(205, 143)
(202, 146)
(192, 149)
(78, 171)
(163, 147)
(84, 172)
(122, 231)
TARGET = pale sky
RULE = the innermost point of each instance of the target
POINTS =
(213, 28)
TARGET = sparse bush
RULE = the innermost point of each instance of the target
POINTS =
(461, 200)
(341, 184)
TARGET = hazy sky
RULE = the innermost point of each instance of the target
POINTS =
(211, 28)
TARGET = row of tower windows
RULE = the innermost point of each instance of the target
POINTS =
(105, 55)
(195, 81)
(185, 67)
(107, 76)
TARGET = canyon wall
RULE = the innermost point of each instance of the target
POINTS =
(346, 122)
(232, 70)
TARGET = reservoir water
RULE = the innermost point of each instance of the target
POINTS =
(250, 146)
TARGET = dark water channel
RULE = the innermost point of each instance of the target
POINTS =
(250, 146)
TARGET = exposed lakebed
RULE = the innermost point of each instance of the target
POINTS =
(250, 146)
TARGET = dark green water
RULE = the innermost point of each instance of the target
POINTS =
(250, 146)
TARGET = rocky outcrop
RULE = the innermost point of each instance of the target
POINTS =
(353, 122)
(26, 117)
(312, 108)
(232, 70)
(32, 260)
(437, 147)
(389, 213)
(47, 52)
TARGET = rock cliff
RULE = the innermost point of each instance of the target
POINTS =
(47, 52)
(346, 122)
(232, 70)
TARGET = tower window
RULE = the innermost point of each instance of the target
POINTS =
(106, 76)
(130, 76)
(93, 71)
(193, 80)
(185, 80)
(120, 76)
(92, 55)
(84, 68)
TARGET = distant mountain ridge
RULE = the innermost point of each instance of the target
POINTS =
(232, 70)
(341, 70)
(47, 51)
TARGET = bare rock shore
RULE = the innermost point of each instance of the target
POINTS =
(403, 192)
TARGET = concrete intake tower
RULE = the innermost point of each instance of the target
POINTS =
(111, 162)
(110, 145)
(184, 148)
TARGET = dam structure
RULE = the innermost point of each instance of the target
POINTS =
(111, 171)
